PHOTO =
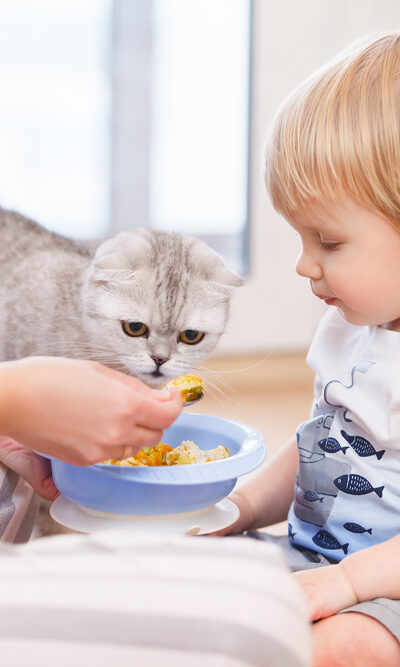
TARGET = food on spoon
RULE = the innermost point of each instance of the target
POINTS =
(190, 386)
(164, 455)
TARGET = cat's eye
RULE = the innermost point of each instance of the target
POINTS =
(191, 336)
(135, 328)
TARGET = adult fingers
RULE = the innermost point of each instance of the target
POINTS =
(137, 385)
(150, 412)
(141, 437)
(128, 380)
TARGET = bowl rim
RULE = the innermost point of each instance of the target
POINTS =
(251, 454)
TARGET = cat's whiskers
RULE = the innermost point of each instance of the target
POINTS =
(220, 397)
(204, 371)
(213, 378)
(245, 368)
(84, 351)
(217, 392)
(208, 372)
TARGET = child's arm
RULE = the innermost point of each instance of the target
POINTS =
(364, 575)
(265, 499)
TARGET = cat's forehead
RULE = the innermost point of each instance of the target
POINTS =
(168, 281)
(167, 308)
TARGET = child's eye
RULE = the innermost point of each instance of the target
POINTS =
(329, 245)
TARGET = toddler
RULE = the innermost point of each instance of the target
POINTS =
(333, 171)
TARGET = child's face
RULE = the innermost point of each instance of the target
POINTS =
(352, 259)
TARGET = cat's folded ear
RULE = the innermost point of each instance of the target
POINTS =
(119, 258)
(213, 268)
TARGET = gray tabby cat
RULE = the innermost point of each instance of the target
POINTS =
(146, 302)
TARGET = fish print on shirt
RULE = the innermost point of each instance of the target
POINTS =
(361, 445)
(331, 445)
(308, 509)
(316, 470)
(316, 474)
(311, 496)
(356, 528)
(327, 541)
(356, 485)
(326, 446)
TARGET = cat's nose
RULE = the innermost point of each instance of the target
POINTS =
(159, 361)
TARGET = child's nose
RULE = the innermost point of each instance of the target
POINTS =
(308, 267)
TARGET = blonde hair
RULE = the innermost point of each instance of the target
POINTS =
(339, 134)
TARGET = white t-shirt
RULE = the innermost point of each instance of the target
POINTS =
(347, 492)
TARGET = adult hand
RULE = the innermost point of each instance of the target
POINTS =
(326, 589)
(80, 411)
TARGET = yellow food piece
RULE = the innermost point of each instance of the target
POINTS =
(147, 456)
(188, 452)
(163, 455)
(190, 386)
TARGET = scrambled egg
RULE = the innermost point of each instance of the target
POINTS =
(164, 455)
(190, 386)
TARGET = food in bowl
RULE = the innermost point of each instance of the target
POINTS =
(149, 490)
(190, 386)
(163, 455)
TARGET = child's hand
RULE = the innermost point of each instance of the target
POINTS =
(244, 521)
(33, 468)
(326, 589)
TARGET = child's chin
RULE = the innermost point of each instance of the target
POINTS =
(356, 319)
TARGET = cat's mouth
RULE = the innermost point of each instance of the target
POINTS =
(157, 373)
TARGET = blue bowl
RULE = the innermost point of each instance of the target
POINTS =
(167, 489)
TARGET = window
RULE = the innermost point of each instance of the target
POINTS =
(181, 105)
(121, 113)
(55, 113)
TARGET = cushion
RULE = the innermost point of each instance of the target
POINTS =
(134, 599)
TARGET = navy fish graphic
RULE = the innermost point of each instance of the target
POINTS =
(361, 446)
(327, 541)
(356, 528)
(291, 533)
(331, 446)
(311, 496)
(356, 485)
